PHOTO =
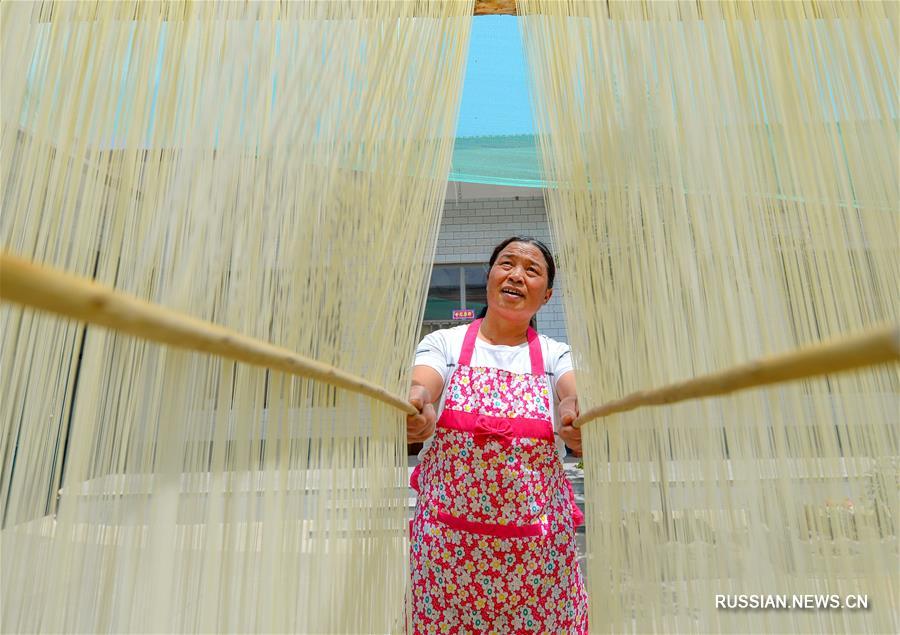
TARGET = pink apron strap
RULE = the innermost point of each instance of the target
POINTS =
(468, 347)
(534, 348)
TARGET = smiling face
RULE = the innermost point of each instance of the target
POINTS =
(517, 283)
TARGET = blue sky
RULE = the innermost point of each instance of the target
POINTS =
(495, 90)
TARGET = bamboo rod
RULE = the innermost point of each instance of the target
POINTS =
(45, 289)
(874, 347)
(25, 283)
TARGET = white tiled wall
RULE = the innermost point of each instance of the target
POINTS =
(472, 227)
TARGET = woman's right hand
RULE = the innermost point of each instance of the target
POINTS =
(420, 426)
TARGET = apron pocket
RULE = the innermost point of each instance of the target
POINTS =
(492, 529)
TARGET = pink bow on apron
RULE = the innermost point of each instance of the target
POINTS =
(493, 537)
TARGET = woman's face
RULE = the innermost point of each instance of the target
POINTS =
(517, 283)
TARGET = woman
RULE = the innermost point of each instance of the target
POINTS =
(493, 538)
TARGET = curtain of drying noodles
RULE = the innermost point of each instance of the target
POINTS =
(727, 188)
(277, 168)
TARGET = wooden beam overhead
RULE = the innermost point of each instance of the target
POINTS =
(495, 7)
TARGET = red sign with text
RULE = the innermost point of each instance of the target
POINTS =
(463, 314)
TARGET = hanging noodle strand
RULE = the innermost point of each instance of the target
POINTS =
(726, 190)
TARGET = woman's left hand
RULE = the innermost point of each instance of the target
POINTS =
(568, 412)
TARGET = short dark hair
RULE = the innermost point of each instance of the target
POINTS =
(544, 249)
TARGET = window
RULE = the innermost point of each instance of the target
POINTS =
(454, 287)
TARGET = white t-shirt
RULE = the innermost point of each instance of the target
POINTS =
(440, 350)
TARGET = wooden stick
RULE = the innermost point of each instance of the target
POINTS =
(495, 7)
(878, 346)
(46, 289)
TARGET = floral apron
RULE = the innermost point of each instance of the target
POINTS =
(493, 537)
